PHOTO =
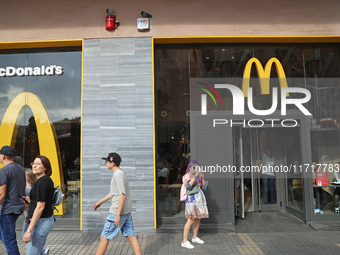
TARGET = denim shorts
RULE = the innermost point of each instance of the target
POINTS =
(111, 230)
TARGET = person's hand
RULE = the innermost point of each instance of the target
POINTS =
(26, 206)
(27, 237)
(201, 174)
(26, 200)
(117, 220)
(196, 173)
(96, 206)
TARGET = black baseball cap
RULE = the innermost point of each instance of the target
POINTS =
(8, 151)
(113, 157)
(18, 160)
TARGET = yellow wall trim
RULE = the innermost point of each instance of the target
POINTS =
(248, 39)
(81, 136)
(154, 135)
(40, 44)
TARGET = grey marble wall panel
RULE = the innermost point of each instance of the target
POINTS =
(127, 121)
(117, 80)
(99, 107)
(120, 90)
(92, 48)
(118, 47)
(91, 126)
(117, 116)
(137, 102)
(101, 65)
(143, 208)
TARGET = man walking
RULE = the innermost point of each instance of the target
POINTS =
(12, 186)
(120, 209)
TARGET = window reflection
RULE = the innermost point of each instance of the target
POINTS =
(315, 65)
(61, 96)
(294, 176)
(325, 152)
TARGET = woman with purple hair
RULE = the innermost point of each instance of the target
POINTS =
(195, 204)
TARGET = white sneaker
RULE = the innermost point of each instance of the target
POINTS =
(197, 240)
(46, 251)
(187, 245)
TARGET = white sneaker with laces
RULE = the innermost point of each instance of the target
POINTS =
(197, 240)
(46, 251)
(187, 245)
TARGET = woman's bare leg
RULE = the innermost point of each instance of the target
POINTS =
(195, 228)
(186, 230)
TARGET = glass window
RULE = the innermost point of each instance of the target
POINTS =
(315, 67)
(292, 154)
(326, 163)
(44, 87)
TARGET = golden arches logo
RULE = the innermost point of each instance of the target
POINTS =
(264, 75)
(48, 144)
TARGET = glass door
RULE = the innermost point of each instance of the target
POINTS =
(239, 176)
(294, 178)
(260, 155)
(267, 157)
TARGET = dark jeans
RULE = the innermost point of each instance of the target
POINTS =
(268, 183)
(322, 197)
(7, 233)
(336, 196)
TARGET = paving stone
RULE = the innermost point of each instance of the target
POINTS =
(281, 238)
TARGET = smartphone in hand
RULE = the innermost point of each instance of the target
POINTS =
(24, 199)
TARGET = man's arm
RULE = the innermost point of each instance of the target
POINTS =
(121, 202)
(122, 191)
(103, 200)
(3, 189)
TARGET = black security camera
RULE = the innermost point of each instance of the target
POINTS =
(145, 14)
(109, 12)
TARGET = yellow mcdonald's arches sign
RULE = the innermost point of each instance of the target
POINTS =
(48, 143)
(264, 75)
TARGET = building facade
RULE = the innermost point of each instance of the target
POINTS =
(136, 93)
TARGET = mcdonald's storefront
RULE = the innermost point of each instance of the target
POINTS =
(74, 101)
(204, 111)
(41, 114)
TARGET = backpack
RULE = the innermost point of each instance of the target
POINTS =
(58, 197)
(183, 194)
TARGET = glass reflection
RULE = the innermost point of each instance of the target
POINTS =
(294, 176)
(326, 165)
(177, 66)
(61, 96)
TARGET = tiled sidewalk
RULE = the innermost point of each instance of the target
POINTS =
(261, 233)
(310, 242)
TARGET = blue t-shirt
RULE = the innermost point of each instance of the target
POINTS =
(12, 175)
